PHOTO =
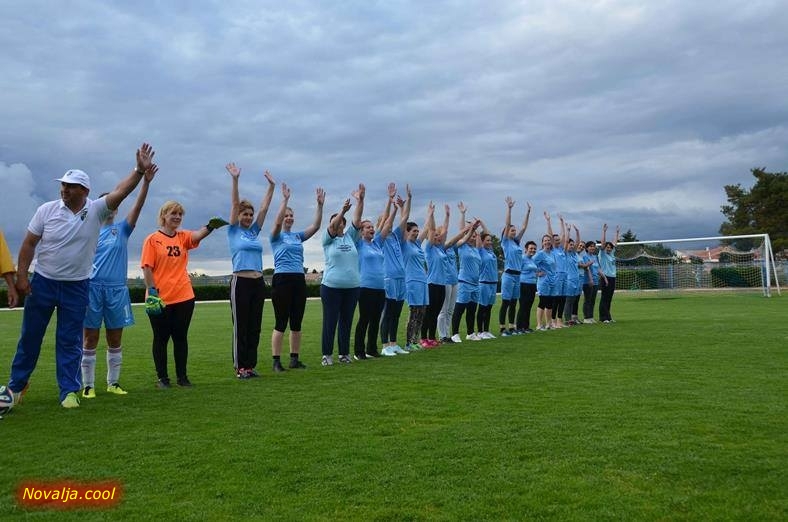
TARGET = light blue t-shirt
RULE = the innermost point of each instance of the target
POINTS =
(470, 264)
(111, 262)
(436, 264)
(489, 271)
(528, 270)
(560, 261)
(545, 262)
(512, 254)
(288, 249)
(415, 261)
(393, 262)
(370, 258)
(572, 274)
(341, 259)
(450, 266)
(607, 262)
(245, 247)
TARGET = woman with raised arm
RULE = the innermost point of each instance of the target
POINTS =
(288, 286)
(341, 279)
(559, 294)
(527, 288)
(488, 284)
(416, 276)
(607, 271)
(247, 287)
(438, 276)
(572, 288)
(372, 296)
(170, 298)
(546, 282)
(512, 267)
(394, 278)
(450, 270)
(468, 287)
(590, 282)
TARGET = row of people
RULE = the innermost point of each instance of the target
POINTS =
(379, 265)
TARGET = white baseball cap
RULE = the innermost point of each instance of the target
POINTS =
(75, 177)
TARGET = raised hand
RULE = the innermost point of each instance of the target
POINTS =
(399, 201)
(509, 202)
(461, 206)
(392, 190)
(285, 191)
(346, 205)
(268, 177)
(150, 172)
(320, 194)
(546, 216)
(145, 157)
(359, 193)
(447, 208)
(233, 170)
(430, 208)
(408, 192)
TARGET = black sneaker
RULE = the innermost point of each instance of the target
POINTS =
(360, 356)
(252, 373)
(184, 382)
(163, 384)
(446, 340)
(242, 373)
(297, 364)
(373, 355)
(278, 368)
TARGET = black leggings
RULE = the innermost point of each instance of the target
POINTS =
(510, 306)
(483, 318)
(370, 308)
(172, 323)
(527, 298)
(247, 297)
(390, 322)
(288, 295)
(430, 325)
(589, 300)
(459, 309)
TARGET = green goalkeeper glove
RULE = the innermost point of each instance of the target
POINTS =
(216, 222)
(153, 304)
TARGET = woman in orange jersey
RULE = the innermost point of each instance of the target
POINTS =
(170, 297)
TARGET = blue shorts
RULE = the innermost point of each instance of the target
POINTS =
(487, 296)
(510, 286)
(395, 288)
(418, 293)
(110, 304)
(467, 293)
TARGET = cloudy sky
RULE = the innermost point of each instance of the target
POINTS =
(631, 113)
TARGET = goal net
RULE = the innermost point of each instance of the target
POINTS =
(722, 263)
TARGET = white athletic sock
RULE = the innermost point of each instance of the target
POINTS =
(88, 368)
(114, 360)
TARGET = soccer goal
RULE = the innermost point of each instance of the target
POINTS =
(743, 262)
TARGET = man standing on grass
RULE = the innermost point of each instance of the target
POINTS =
(109, 300)
(62, 235)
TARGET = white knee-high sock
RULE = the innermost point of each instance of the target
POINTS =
(114, 360)
(88, 368)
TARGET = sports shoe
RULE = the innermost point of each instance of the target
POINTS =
(327, 360)
(606, 321)
(251, 372)
(413, 347)
(397, 349)
(588, 321)
(388, 351)
(456, 338)
(184, 382)
(506, 333)
(116, 389)
(373, 355)
(71, 400)
(89, 392)
(446, 340)
(472, 337)
(242, 373)
(296, 364)
(345, 359)
(487, 335)
(528, 331)
(359, 356)
(163, 384)
(278, 366)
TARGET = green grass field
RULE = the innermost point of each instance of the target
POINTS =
(675, 412)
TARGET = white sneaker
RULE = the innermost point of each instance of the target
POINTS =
(345, 359)
(398, 350)
(487, 335)
(388, 351)
(327, 360)
(588, 321)
(472, 337)
(456, 338)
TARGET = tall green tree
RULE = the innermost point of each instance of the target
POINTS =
(761, 209)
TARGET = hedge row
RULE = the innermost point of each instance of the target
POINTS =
(736, 276)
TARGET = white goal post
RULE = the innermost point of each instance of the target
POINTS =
(700, 263)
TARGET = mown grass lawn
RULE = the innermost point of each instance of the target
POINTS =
(676, 411)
